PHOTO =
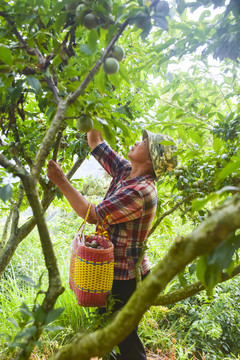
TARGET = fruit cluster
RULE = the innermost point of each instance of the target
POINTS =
(89, 19)
(189, 179)
(156, 10)
(94, 245)
(111, 65)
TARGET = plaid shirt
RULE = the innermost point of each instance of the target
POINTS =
(131, 204)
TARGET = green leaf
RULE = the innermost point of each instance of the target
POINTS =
(60, 20)
(34, 83)
(6, 55)
(13, 322)
(176, 96)
(123, 72)
(53, 315)
(199, 203)
(196, 136)
(231, 167)
(16, 344)
(26, 333)
(192, 269)
(26, 314)
(92, 40)
(6, 336)
(166, 89)
(6, 192)
(85, 49)
(38, 314)
(220, 116)
(204, 14)
(110, 135)
(114, 78)
(53, 328)
(222, 255)
(172, 114)
(27, 279)
(228, 188)
(217, 144)
(182, 280)
(210, 267)
(100, 81)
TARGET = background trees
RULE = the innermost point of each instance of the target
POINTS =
(179, 75)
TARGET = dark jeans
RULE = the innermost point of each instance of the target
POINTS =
(131, 347)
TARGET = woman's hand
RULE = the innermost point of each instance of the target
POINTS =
(55, 173)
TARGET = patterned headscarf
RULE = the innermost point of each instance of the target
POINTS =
(161, 155)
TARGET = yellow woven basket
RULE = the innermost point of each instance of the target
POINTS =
(91, 270)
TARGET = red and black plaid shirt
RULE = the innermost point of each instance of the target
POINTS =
(131, 204)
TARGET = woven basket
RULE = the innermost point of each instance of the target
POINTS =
(91, 270)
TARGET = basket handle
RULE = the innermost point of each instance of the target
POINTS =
(82, 226)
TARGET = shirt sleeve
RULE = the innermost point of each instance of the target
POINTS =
(125, 205)
(110, 160)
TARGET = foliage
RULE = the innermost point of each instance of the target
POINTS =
(206, 325)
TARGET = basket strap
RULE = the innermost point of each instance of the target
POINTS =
(82, 226)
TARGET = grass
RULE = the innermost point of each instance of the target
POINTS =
(164, 330)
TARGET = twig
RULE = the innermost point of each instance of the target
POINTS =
(75, 167)
(57, 145)
(53, 88)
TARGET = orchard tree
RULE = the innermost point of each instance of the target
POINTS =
(121, 66)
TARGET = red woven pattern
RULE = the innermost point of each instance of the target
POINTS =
(91, 272)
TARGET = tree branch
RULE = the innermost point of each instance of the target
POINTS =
(57, 145)
(190, 290)
(5, 231)
(75, 167)
(16, 212)
(15, 170)
(53, 88)
(46, 144)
